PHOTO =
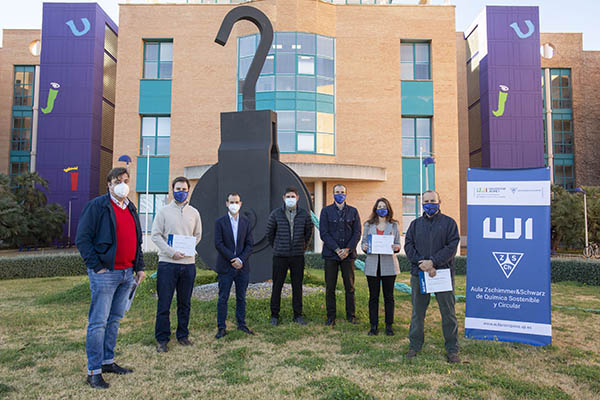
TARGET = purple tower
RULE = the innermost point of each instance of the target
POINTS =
(504, 89)
(77, 98)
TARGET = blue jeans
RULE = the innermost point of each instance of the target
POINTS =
(110, 291)
(241, 279)
(173, 276)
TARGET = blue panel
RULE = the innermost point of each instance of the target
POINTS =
(326, 98)
(286, 104)
(155, 96)
(159, 174)
(262, 96)
(285, 95)
(305, 96)
(417, 97)
(324, 107)
(306, 105)
(264, 105)
(410, 176)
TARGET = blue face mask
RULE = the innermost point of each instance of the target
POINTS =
(180, 197)
(431, 208)
(339, 198)
(382, 212)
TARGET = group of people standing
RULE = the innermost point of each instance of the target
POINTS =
(109, 238)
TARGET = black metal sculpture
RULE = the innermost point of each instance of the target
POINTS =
(248, 160)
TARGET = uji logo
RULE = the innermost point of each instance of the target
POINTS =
(499, 233)
(74, 172)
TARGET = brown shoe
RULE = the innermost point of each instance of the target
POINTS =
(411, 354)
(453, 358)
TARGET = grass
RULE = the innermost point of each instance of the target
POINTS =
(42, 350)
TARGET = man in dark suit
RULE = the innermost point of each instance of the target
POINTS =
(233, 241)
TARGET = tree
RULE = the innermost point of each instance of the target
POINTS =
(11, 212)
(42, 222)
(567, 217)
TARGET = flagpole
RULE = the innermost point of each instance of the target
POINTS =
(147, 195)
(420, 178)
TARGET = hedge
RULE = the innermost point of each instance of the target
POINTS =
(31, 266)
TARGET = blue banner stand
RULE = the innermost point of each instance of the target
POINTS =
(508, 256)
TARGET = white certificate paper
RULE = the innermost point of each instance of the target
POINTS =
(381, 244)
(441, 282)
(183, 244)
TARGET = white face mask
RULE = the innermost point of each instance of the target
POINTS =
(234, 208)
(121, 190)
(290, 202)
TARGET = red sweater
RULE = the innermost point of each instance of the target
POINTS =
(126, 238)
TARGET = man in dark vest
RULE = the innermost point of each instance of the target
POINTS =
(289, 230)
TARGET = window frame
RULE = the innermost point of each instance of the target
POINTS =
(414, 62)
(158, 61)
(415, 138)
(152, 215)
(23, 69)
(155, 136)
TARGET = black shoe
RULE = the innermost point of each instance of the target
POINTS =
(185, 342)
(97, 382)
(162, 347)
(221, 333)
(411, 354)
(115, 369)
(389, 331)
(245, 329)
(330, 322)
(274, 321)
(353, 320)
(300, 320)
(453, 358)
(373, 331)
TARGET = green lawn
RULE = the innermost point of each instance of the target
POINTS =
(42, 351)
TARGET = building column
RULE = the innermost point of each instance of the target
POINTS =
(317, 242)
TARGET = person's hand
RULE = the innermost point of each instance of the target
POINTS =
(426, 265)
(237, 263)
(103, 270)
(396, 247)
(178, 255)
(432, 272)
(365, 247)
(140, 276)
(340, 253)
(345, 253)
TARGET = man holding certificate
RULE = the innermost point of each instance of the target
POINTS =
(176, 231)
(431, 242)
(381, 240)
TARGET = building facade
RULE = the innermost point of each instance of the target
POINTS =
(361, 91)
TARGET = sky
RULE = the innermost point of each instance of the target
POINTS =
(555, 15)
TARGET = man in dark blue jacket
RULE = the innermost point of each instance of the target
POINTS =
(109, 238)
(340, 229)
(289, 230)
(430, 245)
(233, 241)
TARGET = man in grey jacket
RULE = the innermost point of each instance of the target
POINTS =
(431, 242)
(176, 270)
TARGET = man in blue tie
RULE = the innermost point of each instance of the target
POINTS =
(233, 241)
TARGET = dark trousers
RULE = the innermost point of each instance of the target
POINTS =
(420, 302)
(331, 275)
(226, 280)
(375, 283)
(280, 268)
(173, 277)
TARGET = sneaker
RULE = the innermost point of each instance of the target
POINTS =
(185, 342)
(300, 320)
(162, 347)
(453, 358)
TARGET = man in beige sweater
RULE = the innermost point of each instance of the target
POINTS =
(176, 230)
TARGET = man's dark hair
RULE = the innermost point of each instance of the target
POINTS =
(290, 189)
(181, 179)
(115, 173)
(233, 194)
